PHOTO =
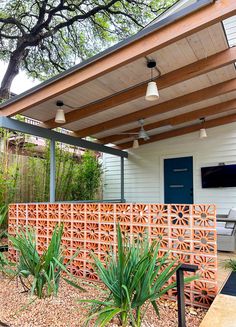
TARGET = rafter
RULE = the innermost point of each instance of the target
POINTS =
(163, 107)
(154, 38)
(176, 120)
(184, 130)
(195, 69)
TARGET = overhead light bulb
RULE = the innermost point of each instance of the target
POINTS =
(203, 133)
(152, 93)
(60, 115)
(135, 144)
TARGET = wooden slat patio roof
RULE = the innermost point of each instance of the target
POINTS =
(104, 96)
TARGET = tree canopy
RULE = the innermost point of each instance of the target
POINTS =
(45, 37)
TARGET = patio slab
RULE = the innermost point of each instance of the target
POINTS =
(222, 312)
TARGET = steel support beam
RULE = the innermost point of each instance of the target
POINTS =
(52, 171)
(23, 127)
(122, 179)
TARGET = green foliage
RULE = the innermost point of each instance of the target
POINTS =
(9, 171)
(41, 274)
(3, 220)
(25, 170)
(87, 179)
(6, 266)
(135, 278)
(230, 264)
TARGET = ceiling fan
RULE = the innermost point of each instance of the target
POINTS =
(142, 134)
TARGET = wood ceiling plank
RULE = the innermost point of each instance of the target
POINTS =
(176, 103)
(146, 44)
(184, 130)
(180, 119)
(198, 68)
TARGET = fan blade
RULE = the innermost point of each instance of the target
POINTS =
(127, 134)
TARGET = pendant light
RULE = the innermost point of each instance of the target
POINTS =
(135, 144)
(60, 115)
(202, 132)
(152, 93)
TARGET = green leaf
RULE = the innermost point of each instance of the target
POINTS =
(74, 284)
(135, 277)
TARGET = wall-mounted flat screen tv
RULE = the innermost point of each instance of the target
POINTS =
(219, 176)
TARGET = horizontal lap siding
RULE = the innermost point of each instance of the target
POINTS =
(143, 168)
(139, 181)
(230, 28)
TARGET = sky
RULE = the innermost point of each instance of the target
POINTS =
(21, 82)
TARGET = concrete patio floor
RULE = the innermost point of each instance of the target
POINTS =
(222, 311)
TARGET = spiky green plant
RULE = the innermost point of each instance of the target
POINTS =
(6, 266)
(3, 220)
(41, 274)
(135, 278)
(230, 264)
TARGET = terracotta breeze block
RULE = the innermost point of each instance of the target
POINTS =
(188, 231)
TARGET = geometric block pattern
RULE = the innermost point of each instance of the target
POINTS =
(189, 231)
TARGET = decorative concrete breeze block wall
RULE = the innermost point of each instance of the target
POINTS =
(188, 231)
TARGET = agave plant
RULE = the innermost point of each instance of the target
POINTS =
(41, 273)
(135, 278)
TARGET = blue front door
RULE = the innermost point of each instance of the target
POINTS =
(178, 180)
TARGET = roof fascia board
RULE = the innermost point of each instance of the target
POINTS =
(19, 126)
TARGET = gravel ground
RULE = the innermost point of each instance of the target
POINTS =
(65, 311)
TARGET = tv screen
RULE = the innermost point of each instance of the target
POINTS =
(219, 176)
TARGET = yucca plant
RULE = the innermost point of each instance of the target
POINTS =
(41, 274)
(135, 278)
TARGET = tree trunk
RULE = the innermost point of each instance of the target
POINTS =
(11, 72)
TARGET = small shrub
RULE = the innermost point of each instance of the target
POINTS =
(41, 274)
(230, 264)
(135, 278)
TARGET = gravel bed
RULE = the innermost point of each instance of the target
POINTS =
(65, 311)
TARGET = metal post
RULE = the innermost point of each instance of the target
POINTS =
(52, 171)
(180, 298)
(180, 291)
(122, 179)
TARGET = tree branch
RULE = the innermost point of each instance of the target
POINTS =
(13, 21)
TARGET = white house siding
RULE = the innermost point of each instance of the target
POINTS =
(230, 30)
(144, 167)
